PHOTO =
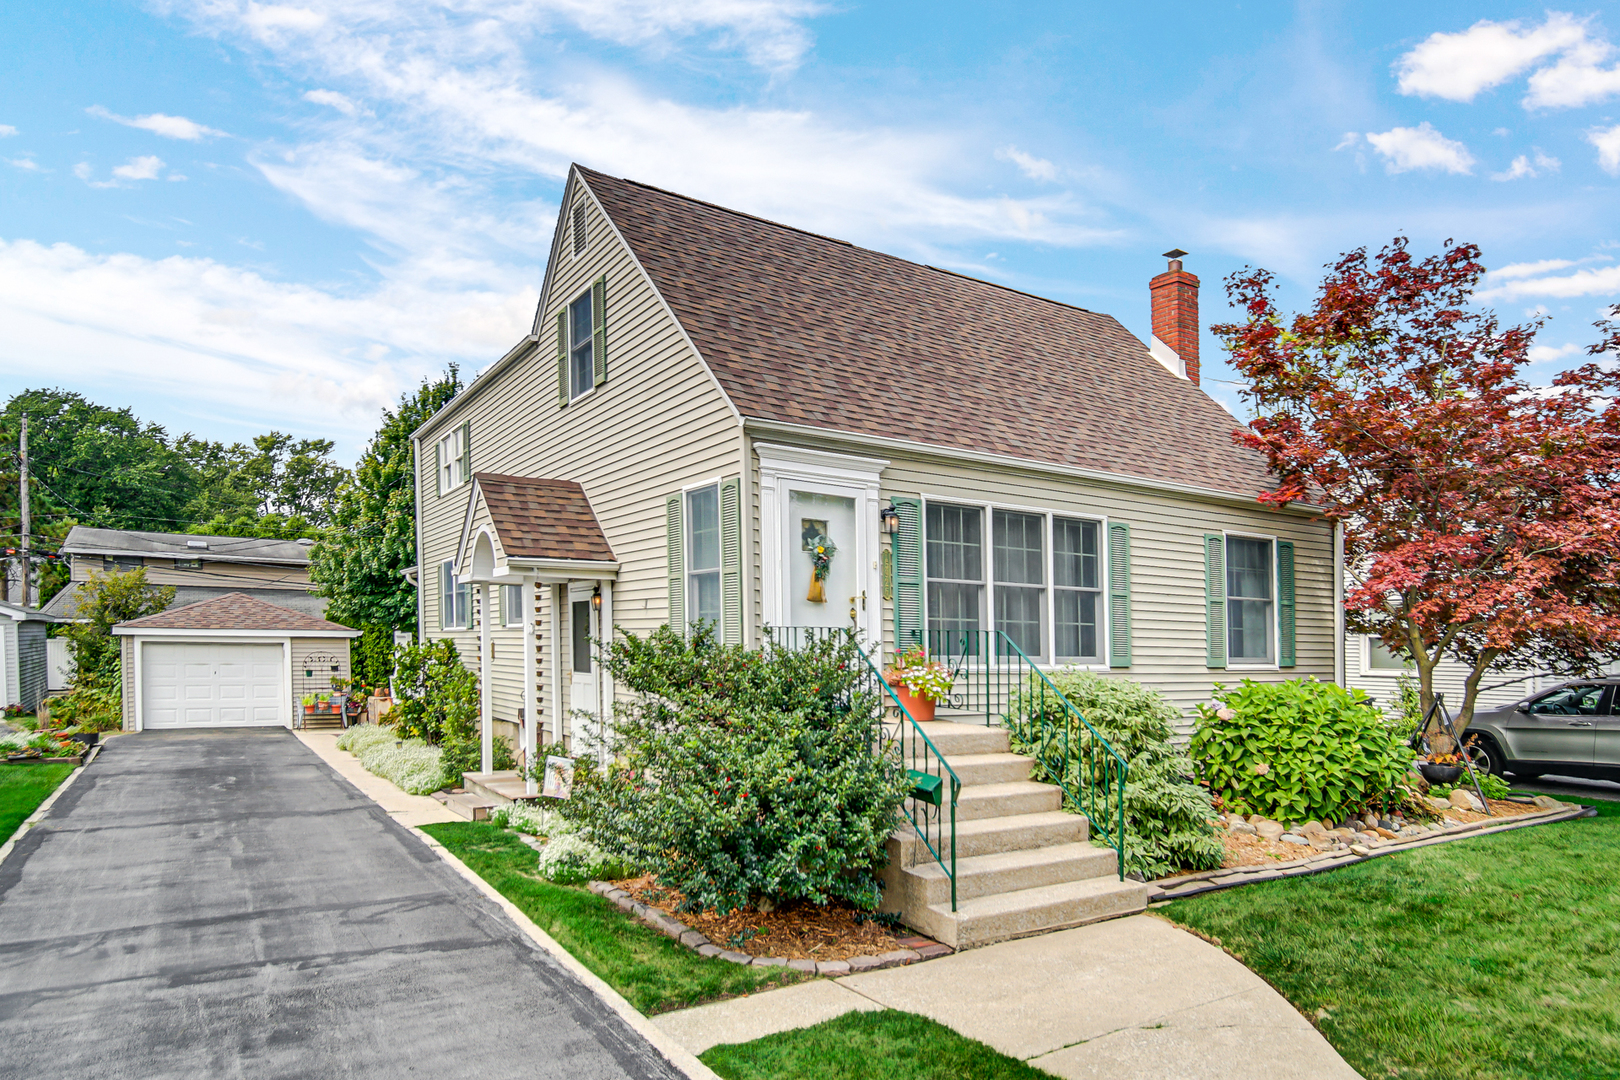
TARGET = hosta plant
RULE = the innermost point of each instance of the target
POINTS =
(1298, 750)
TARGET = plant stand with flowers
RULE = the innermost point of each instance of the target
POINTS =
(1446, 768)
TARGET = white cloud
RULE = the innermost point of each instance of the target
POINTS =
(1541, 354)
(1422, 147)
(82, 170)
(1459, 66)
(221, 337)
(1577, 79)
(334, 100)
(1522, 168)
(7, 129)
(146, 167)
(1531, 269)
(170, 127)
(25, 163)
(1031, 166)
(1602, 281)
(1607, 141)
(1351, 138)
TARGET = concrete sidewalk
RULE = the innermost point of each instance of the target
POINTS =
(1134, 997)
(408, 810)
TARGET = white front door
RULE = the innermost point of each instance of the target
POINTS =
(824, 518)
(196, 684)
(582, 696)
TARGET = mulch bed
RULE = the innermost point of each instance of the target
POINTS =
(800, 931)
(1245, 850)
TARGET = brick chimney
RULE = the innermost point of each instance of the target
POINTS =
(1175, 318)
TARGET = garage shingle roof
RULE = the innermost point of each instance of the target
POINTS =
(542, 519)
(233, 611)
(804, 329)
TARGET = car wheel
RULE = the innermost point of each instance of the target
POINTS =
(1484, 754)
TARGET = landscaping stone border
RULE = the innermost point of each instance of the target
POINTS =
(1184, 885)
(915, 949)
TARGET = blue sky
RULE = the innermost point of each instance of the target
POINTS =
(235, 215)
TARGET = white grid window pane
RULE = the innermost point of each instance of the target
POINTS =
(955, 565)
(1249, 600)
(703, 555)
(1077, 595)
(512, 613)
(581, 367)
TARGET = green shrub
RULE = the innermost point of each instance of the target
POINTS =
(744, 778)
(413, 766)
(437, 694)
(1298, 750)
(1167, 812)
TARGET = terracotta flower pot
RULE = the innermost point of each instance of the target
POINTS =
(920, 708)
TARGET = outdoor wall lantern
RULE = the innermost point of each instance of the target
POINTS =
(596, 599)
(889, 518)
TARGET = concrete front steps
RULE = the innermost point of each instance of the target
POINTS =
(1023, 866)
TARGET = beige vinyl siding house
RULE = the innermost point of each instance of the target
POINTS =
(704, 390)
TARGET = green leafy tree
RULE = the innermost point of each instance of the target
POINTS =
(105, 600)
(358, 564)
(104, 466)
(276, 480)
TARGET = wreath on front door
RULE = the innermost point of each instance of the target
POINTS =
(821, 552)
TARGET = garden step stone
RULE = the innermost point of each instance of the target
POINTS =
(471, 807)
(1006, 800)
(990, 768)
(1013, 871)
(952, 739)
(987, 836)
(988, 919)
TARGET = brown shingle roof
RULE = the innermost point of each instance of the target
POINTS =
(233, 611)
(803, 329)
(542, 519)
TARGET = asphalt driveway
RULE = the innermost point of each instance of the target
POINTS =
(221, 904)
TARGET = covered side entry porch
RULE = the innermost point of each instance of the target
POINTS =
(537, 563)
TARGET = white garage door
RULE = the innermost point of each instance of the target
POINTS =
(196, 685)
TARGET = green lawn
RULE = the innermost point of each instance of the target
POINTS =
(654, 973)
(1496, 957)
(885, 1045)
(22, 789)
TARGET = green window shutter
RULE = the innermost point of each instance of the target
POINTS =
(599, 331)
(676, 539)
(466, 450)
(908, 573)
(438, 469)
(562, 358)
(1119, 594)
(1285, 604)
(1215, 598)
(731, 593)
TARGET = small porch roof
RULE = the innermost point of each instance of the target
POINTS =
(522, 525)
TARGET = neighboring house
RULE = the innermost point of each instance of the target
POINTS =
(230, 661)
(24, 660)
(1372, 668)
(704, 389)
(199, 567)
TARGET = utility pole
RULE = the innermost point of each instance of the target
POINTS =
(27, 555)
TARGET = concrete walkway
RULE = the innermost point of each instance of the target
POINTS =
(219, 904)
(408, 810)
(1134, 997)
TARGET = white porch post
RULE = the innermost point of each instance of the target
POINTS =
(531, 711)
(485, 691)
(604, 685)
(556, 666)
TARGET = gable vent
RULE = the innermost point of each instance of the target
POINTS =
(579, 228)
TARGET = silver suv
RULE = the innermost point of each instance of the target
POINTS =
(1571, 730)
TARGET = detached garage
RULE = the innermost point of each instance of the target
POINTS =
(234, 661)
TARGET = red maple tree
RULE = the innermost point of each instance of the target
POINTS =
(1481, 514)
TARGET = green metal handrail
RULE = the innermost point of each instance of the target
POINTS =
(935, 786)
(994, 676)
